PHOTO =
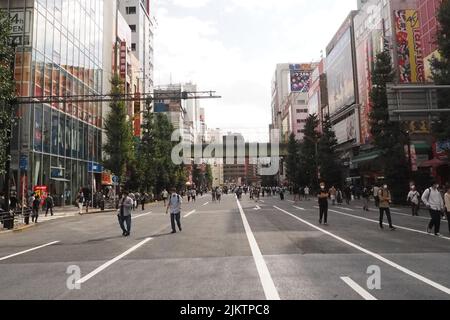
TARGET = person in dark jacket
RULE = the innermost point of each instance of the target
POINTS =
(36, 207)
(49, 204)
(323, 204)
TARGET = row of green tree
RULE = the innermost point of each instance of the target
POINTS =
(145, 163)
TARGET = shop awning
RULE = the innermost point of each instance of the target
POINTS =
(366, 157)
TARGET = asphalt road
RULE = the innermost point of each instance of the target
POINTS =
(229, 251)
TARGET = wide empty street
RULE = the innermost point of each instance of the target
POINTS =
(232, 250)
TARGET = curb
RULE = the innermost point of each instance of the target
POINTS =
(26, 227)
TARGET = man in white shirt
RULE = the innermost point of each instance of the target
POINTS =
(174, 206)
(414, 200)
(434, 202)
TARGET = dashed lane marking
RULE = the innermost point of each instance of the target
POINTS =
(373, 254)
(359, 290)
(29, 250)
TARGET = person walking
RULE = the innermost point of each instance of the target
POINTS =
(194, 195)
(219, 194)
(414, 200)
(366, 196)
(333, 194)
(165, 196)
(447, 206)
(434, 202)
(80, 202)
(376, 190)
(36, 208)
(348, 194)
(174, 206)
(385, 206)
(339, 197)
(144, 197)
(323, 204)
(49, 204)
(307, 190)
(124, 214)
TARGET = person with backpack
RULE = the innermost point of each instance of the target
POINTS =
(126, 205)
(384, 196)
(414, 200)
(174, 205)
(49, 204)
(434, 202)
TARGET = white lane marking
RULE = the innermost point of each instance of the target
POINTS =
(205, 204)
(257, 208)
(110, 262)
(141, 215)
(348, 209)
(375, 255)
(303, 209)
(264, 275)
(262, 201)
(376, 221)
(29, 250)
(359, 290)
(291, 201)
(192, 212)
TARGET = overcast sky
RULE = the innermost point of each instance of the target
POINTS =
(233, 46)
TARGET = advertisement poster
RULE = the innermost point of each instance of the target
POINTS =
(409, 47)
(341, 89)
(346, 129)
(300, 77)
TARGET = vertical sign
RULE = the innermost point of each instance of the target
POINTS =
(123, 60)
(409, 47)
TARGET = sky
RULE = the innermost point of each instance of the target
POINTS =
(233, 46)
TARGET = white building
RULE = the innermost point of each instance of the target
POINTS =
(138, 16)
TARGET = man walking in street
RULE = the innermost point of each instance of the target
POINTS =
(36, 207)
(49, 204)
(165, 195)
(434, 202)
(385, 203)
(323, 204)
(414, 200)
(333, 194)
(376, 190)
(124, 215)
(174, 206)
(307, 193)
(366, 196)
(80, 202)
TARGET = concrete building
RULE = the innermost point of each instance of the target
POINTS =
(318, 93)
(137, 13)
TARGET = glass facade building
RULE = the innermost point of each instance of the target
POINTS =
(59, 52)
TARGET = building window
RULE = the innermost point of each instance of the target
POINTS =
(131, 10)
(133, 47)
(133, 27)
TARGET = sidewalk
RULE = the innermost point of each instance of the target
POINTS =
(58, 213)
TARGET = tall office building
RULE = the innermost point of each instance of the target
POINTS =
(138, 16)
(59, 52)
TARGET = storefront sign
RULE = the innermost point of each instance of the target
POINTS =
(20, 27)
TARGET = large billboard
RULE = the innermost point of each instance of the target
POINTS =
(340, 77)
(409, 46)
(300, 77)
(345, 130)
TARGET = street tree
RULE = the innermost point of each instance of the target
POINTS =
(293, 162)
(388, 136)
(7, 90)
(309, 157)
(441, 71)
(329, 162)
(118, 130)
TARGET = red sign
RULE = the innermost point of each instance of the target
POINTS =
(42, 192)
(106, 179)
(123, 59)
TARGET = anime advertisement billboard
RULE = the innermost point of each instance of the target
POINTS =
(409, 46)
(300, 77)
